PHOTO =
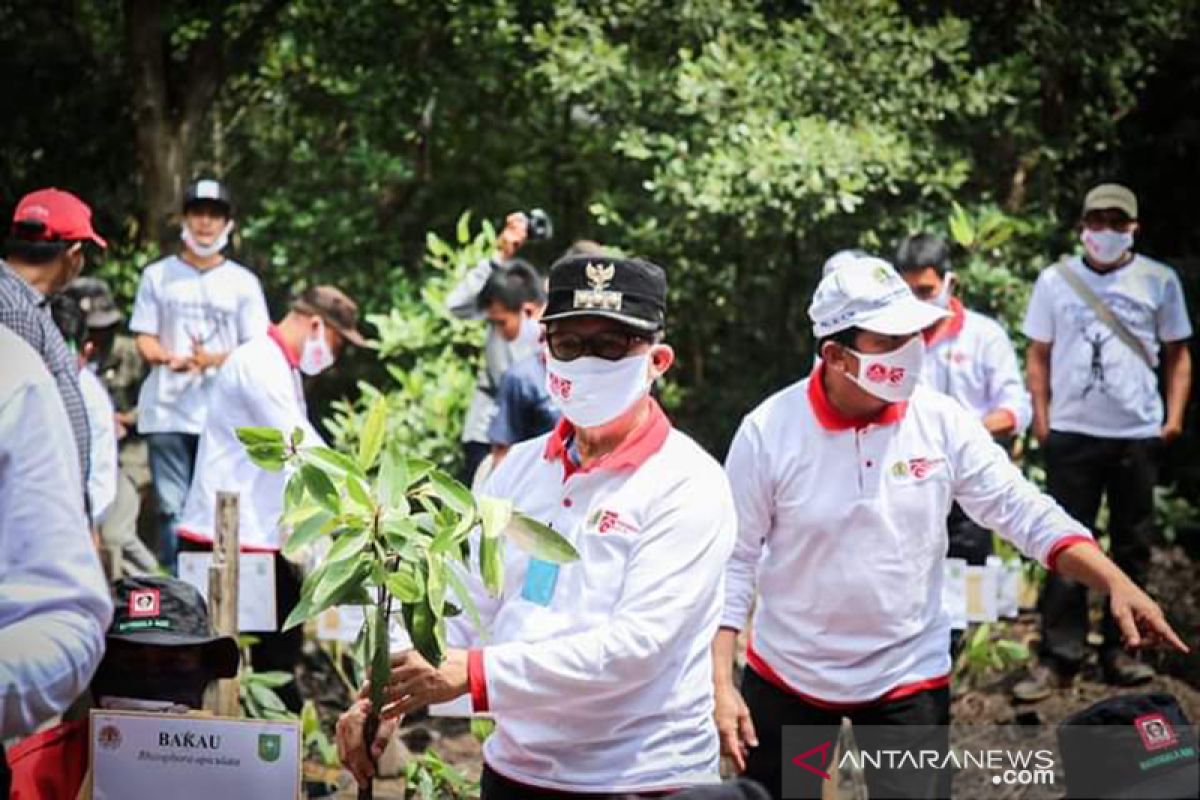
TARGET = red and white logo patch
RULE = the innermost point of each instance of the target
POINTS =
(144, 603)
(881, 373)
(560, 387)
(1156, 732)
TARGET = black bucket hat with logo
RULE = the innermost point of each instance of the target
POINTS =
(1130, 746)
(167, 612)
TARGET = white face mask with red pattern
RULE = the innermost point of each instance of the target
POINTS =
(593, 391)
(891, 376)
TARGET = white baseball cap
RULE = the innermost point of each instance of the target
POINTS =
(867, 293)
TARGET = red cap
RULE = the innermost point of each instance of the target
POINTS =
(60, 215)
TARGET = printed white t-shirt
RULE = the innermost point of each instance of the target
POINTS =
(1098, 385)
(218, 308)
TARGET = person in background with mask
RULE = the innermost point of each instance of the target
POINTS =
(261, 386)
(843, 483)
(54, 605)
(1099, 326)
(191, 311)
(45, 252)
(598, 671)
(513, 300)
(969, 357)
(500, 351)
(159, 658)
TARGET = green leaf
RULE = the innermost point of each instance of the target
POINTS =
(452, 493)
(464, 597)
(482, 728)
(331, 461)
(494, 515)
(491, 563)
(417, 469)
(435, 583)
(339, 578)
(540, 541)
(321, 488)
(357, 492)
(961, 229)
(405, 584)
(377, 635)
(293, 493)
(393, 481)
(370, 440)
(257, 437)
(273, 680)
(298, 514)
(267, 457)
(399, 532)
(420, 621)
(347, 545)
(307, 532)
(297, 437)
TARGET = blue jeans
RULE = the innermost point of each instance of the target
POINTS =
(172, 461)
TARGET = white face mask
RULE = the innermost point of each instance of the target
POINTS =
(316, 357)
(942, 300)
(891, 376)
(206, 251)
(1106, 246)
(593, 391)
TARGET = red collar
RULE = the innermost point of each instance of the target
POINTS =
(293, 358)
(949, 327)
(833, 420)
(638, 446)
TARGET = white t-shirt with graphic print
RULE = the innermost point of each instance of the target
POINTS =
(218, 308)
(1098, 385)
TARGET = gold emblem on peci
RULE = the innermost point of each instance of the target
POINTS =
(599, 296)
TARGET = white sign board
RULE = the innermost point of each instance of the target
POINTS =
(256, 587)
(982, 593)
(152, 756)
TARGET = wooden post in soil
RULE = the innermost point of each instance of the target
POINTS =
(222, 696)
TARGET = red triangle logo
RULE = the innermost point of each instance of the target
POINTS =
(802, 759)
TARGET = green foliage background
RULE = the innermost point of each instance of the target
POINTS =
(737, 143)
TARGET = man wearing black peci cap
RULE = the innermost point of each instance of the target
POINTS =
(598, 671)
(160, 657)
(192, 310)
(1131, 746)
(260, 386)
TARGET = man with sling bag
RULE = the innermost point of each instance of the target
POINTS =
(1100, 325)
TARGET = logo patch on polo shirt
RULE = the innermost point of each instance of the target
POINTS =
(603, 521)
(916, 469)
(144, 603)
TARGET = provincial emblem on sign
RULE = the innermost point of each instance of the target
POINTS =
(270, 747)
(109, 737)
(599, 296)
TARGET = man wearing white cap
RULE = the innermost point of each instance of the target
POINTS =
(1100, 325)
(843, 482)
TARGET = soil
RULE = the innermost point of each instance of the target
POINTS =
(1174, 580)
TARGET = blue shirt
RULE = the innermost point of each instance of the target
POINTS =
(524, 409)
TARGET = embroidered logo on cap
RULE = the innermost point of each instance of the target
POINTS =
(144, 603)
(599, 296)
(1156, 731)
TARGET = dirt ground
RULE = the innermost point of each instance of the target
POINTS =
(1174, 576)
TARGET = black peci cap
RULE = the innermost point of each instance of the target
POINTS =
(1130, 746)
(629, 290)
(95, 300)
(167, 612)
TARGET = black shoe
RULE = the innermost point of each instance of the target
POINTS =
(1122, 669)
(1042, 681)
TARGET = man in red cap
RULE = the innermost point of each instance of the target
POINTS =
(44, 253)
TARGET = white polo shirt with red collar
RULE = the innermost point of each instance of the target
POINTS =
(970, 357)
(599, 672)
(259, 386)
(842, 533)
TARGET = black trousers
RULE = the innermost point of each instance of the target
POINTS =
(494, 786)
(903, 724)
(279, 651)
(1080, 471)
(5, 775)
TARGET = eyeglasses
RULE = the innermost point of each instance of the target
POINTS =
(609, 345)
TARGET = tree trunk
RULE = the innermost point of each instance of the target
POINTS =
(159, 151)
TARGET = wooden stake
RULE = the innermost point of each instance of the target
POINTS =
(223, 597)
